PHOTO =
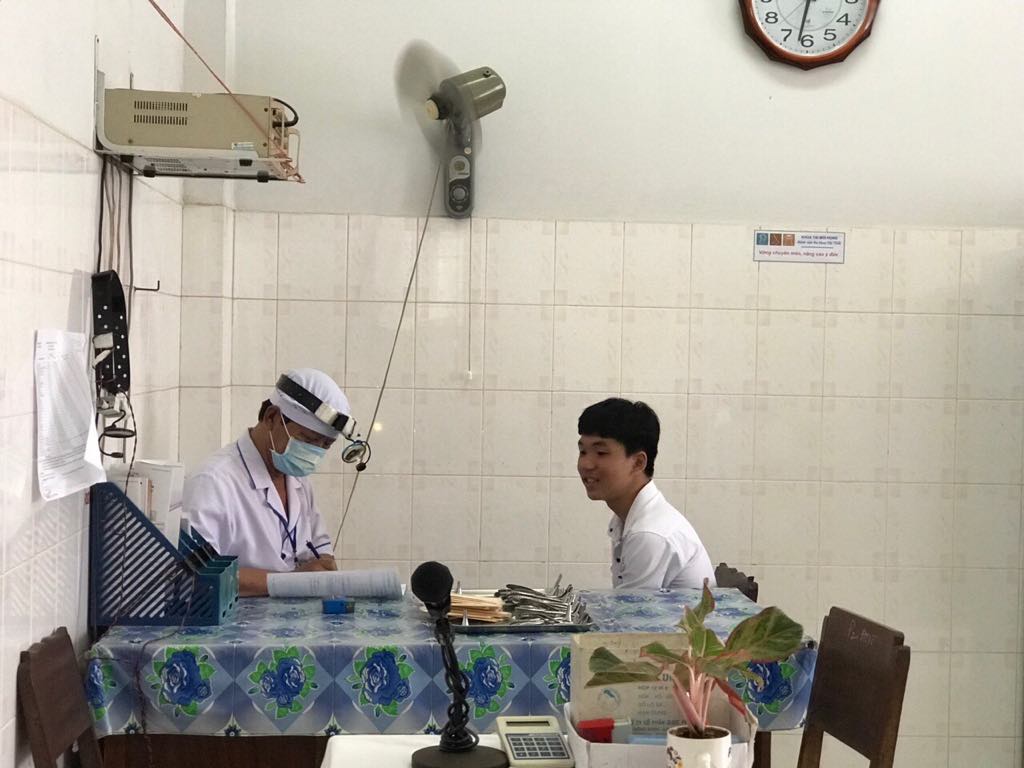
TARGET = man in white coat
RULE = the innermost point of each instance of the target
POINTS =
(253, 499)
(653, 545)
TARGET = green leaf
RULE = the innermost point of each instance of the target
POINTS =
(660, 653)
(553, 667)
(206, 671)
(506, 670)
(474, 655)
(204, 657)
(255, 676)
(278, 655)
(502, 689)
(494, 705)
(479, 712)
(252, 691)
(358, 667)
(192, 708)
(281, 713)
(363, 698)
(309, 672)
(158, 666)
(769, 636)
(99, 713)
(271, 706)
(706, 604)
(392, 709)
(262, 667)
(296, 706)
(602, 659)
(626, 672)
(489, 651)
(704, 643)
(788, 670)
(291, 652)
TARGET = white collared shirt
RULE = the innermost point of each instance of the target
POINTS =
(231, 500)
(656, 547)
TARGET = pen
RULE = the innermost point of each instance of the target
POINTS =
(313, 549)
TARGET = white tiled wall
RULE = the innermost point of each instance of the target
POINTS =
(850, 434)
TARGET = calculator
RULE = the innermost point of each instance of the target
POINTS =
(533, 741)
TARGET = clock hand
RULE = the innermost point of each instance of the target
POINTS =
(803, 21)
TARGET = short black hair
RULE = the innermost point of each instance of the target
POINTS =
(263, 409)
(635, 425)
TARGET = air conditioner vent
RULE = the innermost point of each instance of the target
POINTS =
(160, 119)
(161, 106)
(167, 165)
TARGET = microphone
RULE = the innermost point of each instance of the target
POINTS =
(431, 582)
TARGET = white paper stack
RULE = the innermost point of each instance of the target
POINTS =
(376, 582)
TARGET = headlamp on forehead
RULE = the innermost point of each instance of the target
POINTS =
(325, 413)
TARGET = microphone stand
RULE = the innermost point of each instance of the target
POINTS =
(459, 743)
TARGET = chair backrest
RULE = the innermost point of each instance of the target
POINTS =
(857, 694)
(730, 577)
(51, 694)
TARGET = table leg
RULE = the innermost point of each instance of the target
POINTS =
(763, 749)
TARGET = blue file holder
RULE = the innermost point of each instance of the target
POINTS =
(137, 577)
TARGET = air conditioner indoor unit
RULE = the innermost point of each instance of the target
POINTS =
(200, 135)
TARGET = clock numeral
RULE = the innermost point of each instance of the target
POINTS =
(788, 33)
(844, 19)
(830, 34)
(771, 17)
(807, 41)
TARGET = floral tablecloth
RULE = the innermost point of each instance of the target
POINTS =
(283, 667)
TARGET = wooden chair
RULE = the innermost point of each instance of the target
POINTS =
(726, 576)
(857, 693)
(51, 695)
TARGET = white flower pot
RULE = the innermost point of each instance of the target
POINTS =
(685, 751)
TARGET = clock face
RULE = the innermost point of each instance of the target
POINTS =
(812, 31)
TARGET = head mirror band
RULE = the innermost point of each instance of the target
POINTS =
(324, 412)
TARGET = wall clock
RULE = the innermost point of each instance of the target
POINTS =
(808, 33)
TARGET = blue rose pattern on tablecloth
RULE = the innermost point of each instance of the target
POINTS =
(767, 693)
(99, 678)
(558, 675)
(490, 678)
(182, 678)
(381, 675)
(286, 681)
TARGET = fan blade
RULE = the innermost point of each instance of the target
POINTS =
(418, 74)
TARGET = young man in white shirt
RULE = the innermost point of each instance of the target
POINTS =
(653, 545)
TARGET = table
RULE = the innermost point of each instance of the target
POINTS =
(281, 667)
(384, 751)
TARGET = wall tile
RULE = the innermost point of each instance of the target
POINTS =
(992, 272)
(671, 411)
(201, 418)
(721, 511)
(445, 518)
(984, 701)
(255, 255)
(380, 257)
(202, 252)
(790, 286)
(313, 257)
(449, 346)
(854, 438)
(520, 262)
(655, 350)
(790, 350)
(495, 574)
(857, 589)
(987, 526)
(864, 282)
(926, 703)
(924, 355)
(723, 351)
(447, 433)
(857, 354)
(566, 408)
(516, 433)
(312, 334)
(253, 353)
(580, 575)
(723, 273)
(390, 435)
(449, 270)
(926, 271)
(852, 524)
(785, 523)
(988, 441)
(656, 249)
(588, 263)
(514, 519)
(919, 527)
(202, 355)
(370, 334)
(518, 347)
(577, 532)
(379, 519)
(991, 361)
(587, 349)
(720, 437)
(787, 442)
(918, 603)
(921, 441)
(992, 753)
(981, 622)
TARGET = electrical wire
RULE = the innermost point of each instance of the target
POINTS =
(131, 252)
(99, 233)
(295, 115)
(391, 357)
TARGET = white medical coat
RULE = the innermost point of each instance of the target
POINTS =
(231, 500)
(656, 547)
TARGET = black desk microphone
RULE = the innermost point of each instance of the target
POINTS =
(432, 582)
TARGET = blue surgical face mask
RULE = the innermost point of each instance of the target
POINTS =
(299, 459)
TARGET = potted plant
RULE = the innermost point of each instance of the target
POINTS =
(704, 664)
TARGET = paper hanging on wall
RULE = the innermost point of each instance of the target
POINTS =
(808, 247)
(68, 452)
